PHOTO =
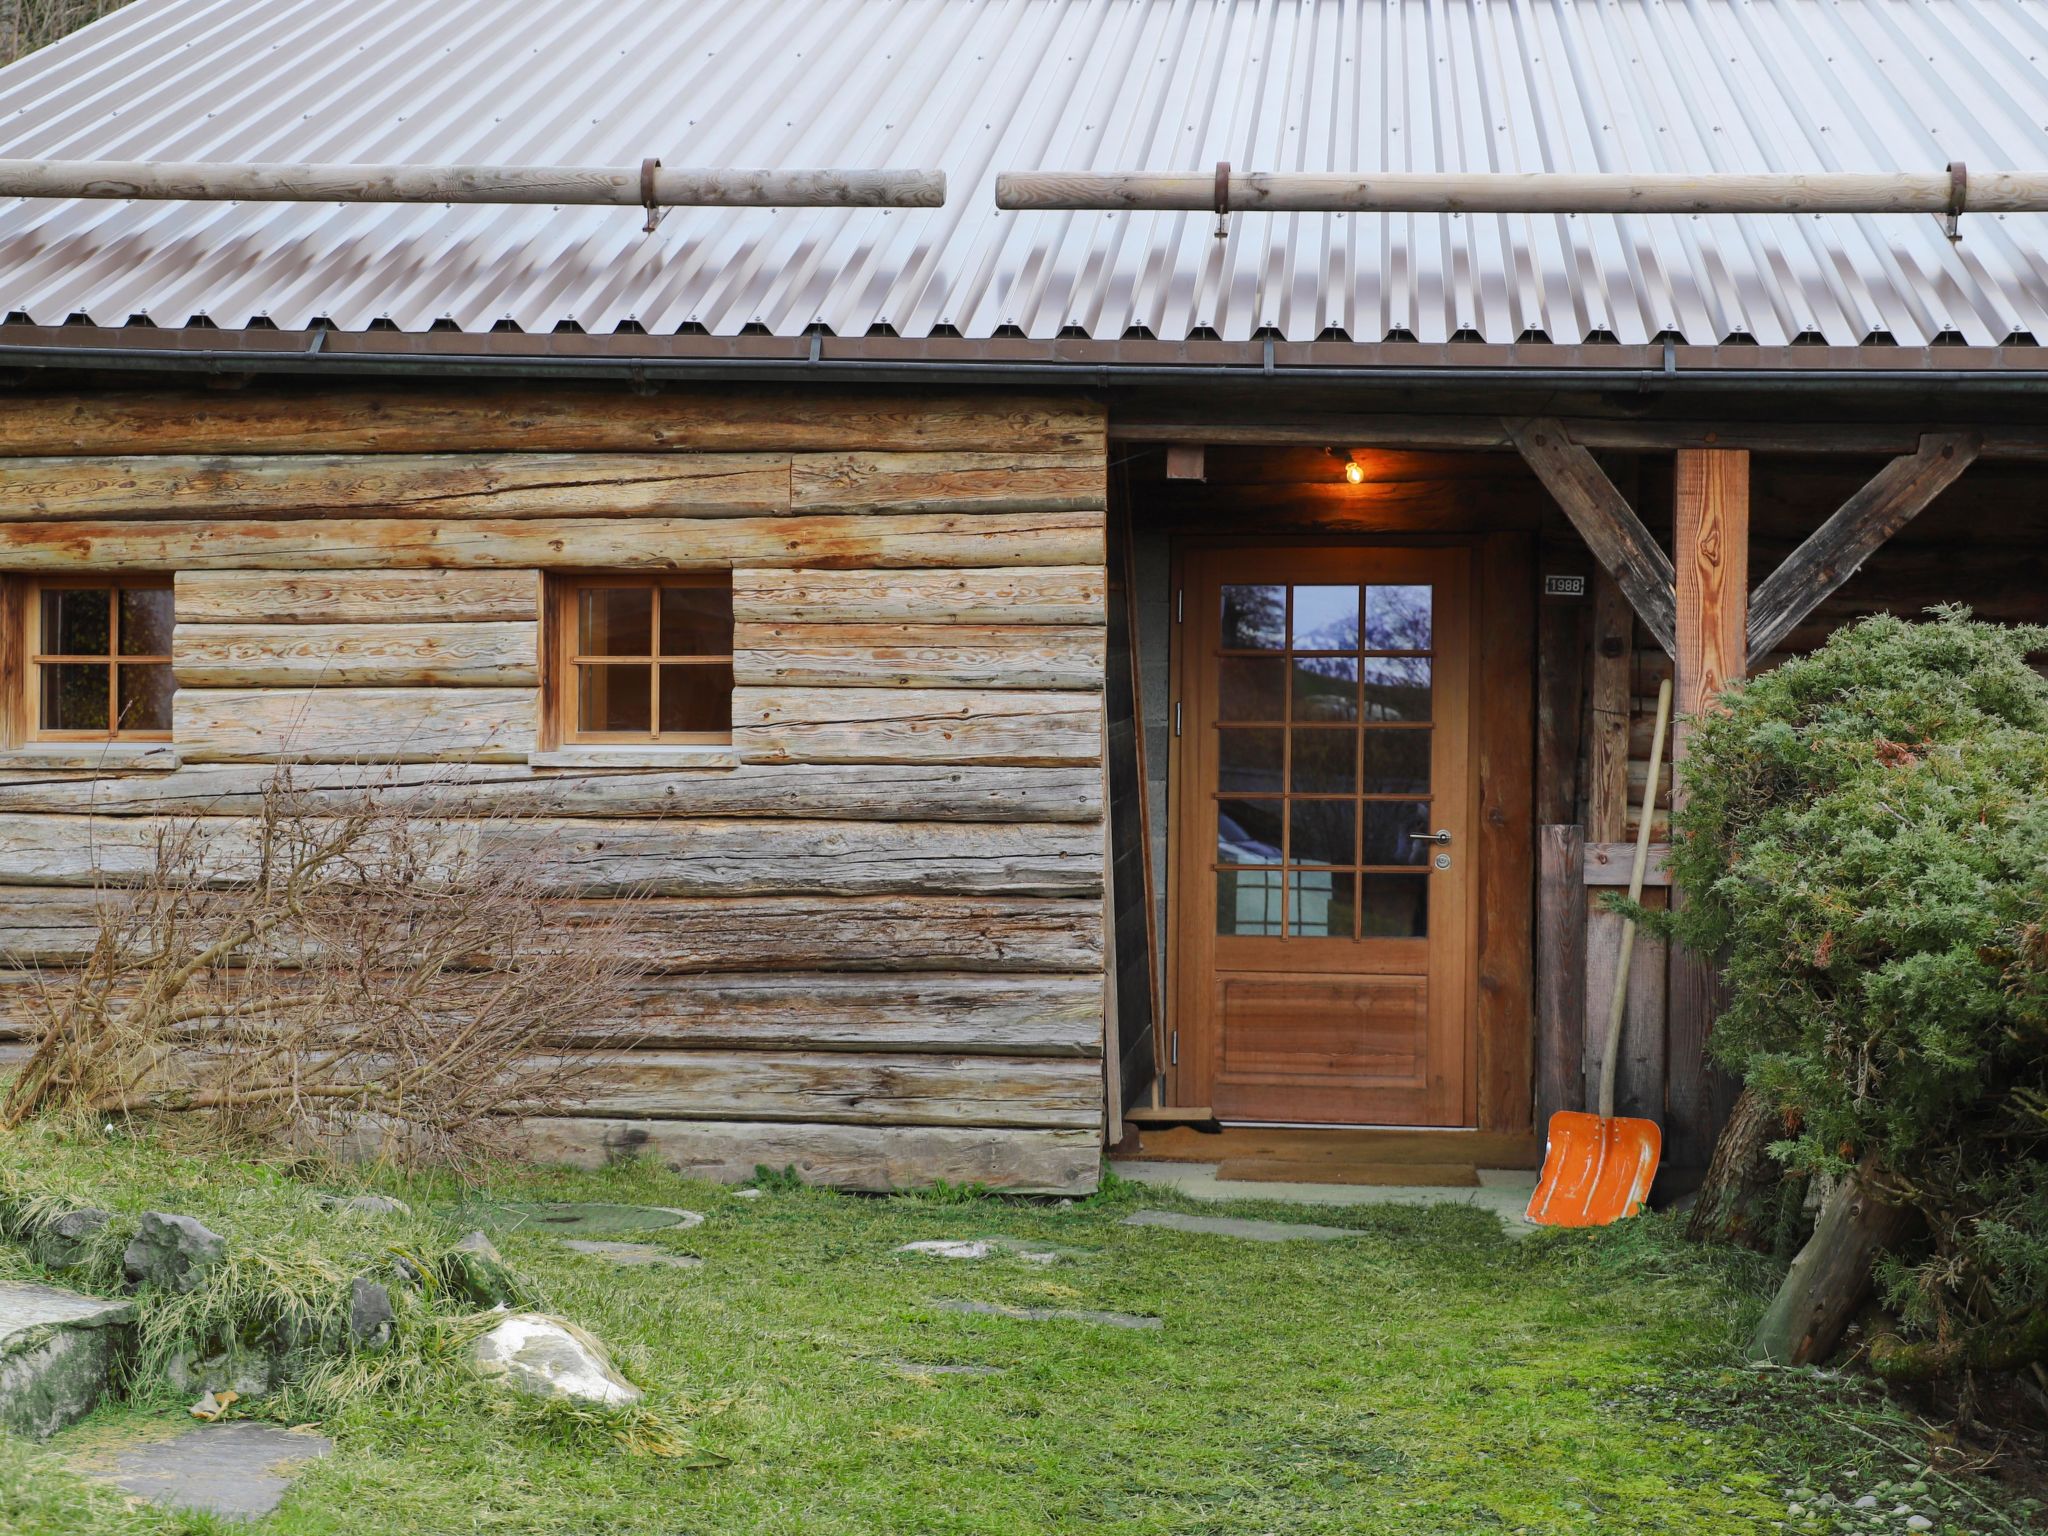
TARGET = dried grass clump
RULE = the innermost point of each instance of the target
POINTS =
(26, 25)
(370, 974)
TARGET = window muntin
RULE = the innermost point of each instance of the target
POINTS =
(644, 659)
(100, 659)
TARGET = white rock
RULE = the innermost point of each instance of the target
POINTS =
(1868, 1501)
(544, 1356)
(951, 1248)
(1919, 1523)
(748, 1194)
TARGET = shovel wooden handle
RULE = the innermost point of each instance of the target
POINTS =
(1617, 1008)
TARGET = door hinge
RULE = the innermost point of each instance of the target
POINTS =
(1179, 603)
(1176, 717)
(1173, 1049)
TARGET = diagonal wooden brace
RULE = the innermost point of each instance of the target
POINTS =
(1606, 522)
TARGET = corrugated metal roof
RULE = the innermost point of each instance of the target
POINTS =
(979, 86)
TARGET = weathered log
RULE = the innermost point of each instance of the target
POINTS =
(1060, 594)
(407, 725)
(340, 655)
(655, 858)
(725, 934)
(945, 725)
(556, 417)
(357, 597)
(877, 1158)
(451, 486)
(918, 655)
(831, 791)
(2000, 1347)
(860, 540)
(1832, 1274)
(1734, 1203)
(959, 482)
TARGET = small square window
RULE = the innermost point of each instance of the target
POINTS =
(641, 659)
(99, 654)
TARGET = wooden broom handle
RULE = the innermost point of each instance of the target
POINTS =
(1617, 1009)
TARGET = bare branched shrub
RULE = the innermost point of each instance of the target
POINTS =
(360, 976)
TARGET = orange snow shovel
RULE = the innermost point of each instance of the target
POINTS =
(1597, 1168)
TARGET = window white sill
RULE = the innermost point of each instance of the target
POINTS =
(679, 756)
(92, 756)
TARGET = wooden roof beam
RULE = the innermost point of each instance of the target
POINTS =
(1606, 522)
(1836, 550)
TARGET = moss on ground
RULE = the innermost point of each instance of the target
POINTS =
(1431, 1376)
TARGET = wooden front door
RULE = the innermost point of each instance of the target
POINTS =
(1324, 838)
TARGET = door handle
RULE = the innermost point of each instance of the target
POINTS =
(1441, 835)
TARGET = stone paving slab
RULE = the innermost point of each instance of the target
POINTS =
(235, 1471)
(982, 1248)
(57, 1351)
(580, 1218)
(1050, 1314)
(633, 1255)
(1504, 1192)
(1240, 1227)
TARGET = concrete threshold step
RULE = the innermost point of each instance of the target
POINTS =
(58, 1351)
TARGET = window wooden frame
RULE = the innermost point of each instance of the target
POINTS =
(562, 678)
(27, 621)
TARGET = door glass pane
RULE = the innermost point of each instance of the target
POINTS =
(1325, 688)
(75, 697)
(1326, 618)
(1387, 825)
(1254, 618)
(146, 690)
(146, 621)
(1248, 902)
(615, 621)
(1251, 689)
(696, 621)
(1320, 903)
(1324, 831)
(1397, 618)
(1325, 761)
(1396, 907)
(1248, 831)
(75, 623)
(1397, 762)
(1249, 760)
(696, 698)
(614, 698)
(1396, 688)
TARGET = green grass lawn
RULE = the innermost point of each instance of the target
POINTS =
(1430, 1376)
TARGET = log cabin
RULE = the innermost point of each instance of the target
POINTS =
(1043, 676)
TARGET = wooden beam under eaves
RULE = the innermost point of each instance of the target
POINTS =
(1836, 550)
(1606, 522)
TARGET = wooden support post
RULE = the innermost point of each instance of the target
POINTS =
(1836, 550)
(1604, 518)
(1560, 970)
(1710, 540)
(1609, 700)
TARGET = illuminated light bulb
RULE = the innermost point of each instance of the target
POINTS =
(1354, 471)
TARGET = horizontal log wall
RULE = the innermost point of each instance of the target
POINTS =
(875, 942)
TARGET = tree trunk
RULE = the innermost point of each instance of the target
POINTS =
(1831, 1276)
(1734, 1203)
(2006, 1348)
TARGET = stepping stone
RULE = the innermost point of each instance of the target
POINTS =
(981, 1248)
(57, 1351)
(633, 1255)
(914, 1369)
(584, 1218)
(1239, 1227)
(1050, 1314)
(236, 1471)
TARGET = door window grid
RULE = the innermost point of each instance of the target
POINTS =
(1311, 678)
(646, 660)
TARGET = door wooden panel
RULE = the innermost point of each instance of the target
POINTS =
(1323, 896)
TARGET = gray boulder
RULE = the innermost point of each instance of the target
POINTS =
(540, 1356)
(67, 1242)
(371, 1322)
(474, 1269)
(366, 1205)
(58, 1353)
(246, 1372)
(172, 1253)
